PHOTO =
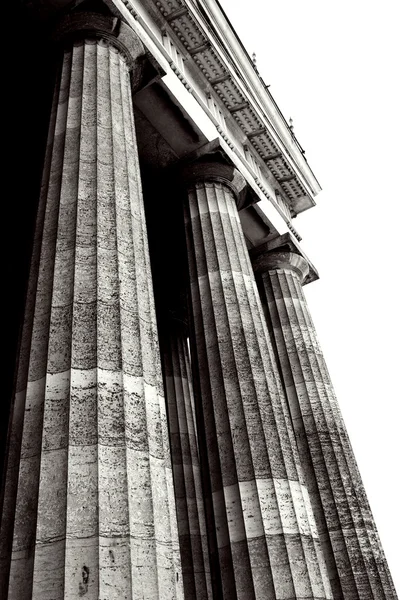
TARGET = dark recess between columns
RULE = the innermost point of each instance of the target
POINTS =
(29, 82)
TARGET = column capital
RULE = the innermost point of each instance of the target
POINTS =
(208, 170)
(262, 258)
(111, 30)
(281, 259)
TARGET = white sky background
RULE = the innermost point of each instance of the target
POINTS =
(334, 68)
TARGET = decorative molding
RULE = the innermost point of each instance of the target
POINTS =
(198, 45)
(220, 77)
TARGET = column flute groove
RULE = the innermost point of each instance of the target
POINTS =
(89, 505)
(216, 196)
(304, 450)
(248, 343)
(355, 510)
(192, 528)
(287, 427)
(357, 566)
(221, 519)
(345, 515)
(255, 472)
(226, 575)
(356, 483)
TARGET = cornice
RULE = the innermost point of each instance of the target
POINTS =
(215, 65)
(152, 26)
(273, 141)
(259, 91)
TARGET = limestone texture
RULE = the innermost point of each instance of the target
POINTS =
(89, 503)
(353, 553)
(268, 544)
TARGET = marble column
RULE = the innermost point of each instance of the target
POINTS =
(89, 501)
(357, 566)
(268, 545)
(192, 527)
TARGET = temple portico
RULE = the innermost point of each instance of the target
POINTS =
(173, 432)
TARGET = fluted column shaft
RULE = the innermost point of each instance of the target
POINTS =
(357, 566)
(89, 503)
(266, 535)
(192, 528)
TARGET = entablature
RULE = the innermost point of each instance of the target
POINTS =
(184, 64)
(212, 82)
(210, 42)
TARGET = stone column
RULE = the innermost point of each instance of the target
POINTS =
(357, 566)
(89, 502)
(192, 528)
(267, 541)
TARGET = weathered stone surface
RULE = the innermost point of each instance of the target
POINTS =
(267, 539)
(89, 502)
(352, 550)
